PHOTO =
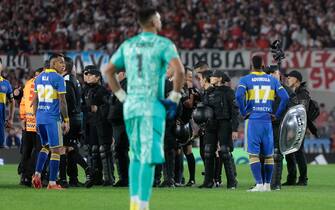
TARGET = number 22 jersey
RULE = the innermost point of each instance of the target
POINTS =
(48, 85)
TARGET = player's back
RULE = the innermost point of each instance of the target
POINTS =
(260, 94)
(48, 85)
(145, 63)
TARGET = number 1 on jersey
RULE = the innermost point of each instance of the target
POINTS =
(139, 64)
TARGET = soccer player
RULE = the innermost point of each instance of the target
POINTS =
(255, 96)
(6, 94)
(49, 103)
(146, 58)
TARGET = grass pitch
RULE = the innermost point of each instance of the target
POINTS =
(319, 194)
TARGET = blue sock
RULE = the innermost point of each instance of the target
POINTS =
(54, 166)
(256, 169)
(146, 180)
(268, 168)
(134, 178)
(42, 158)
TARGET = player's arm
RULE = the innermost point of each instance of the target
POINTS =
(114, 83)
(284, 97)
(240, 96)
(64, 112)
(179, 73)
(117, 62)
(11, 103)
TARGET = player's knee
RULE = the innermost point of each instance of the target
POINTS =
(209, 150)
(45, 149)
(268, 160)
(253, 159)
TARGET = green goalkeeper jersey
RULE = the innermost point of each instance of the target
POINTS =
(145, 58)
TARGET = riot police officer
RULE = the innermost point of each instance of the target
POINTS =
(99, 134)
(221, 130)
(121, 144)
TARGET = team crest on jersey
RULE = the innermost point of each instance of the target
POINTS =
(3, 88)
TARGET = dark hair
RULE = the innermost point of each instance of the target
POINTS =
(68, 64)
(257, 62)
(39, 70)
(200, 64)
(55, 55)
(144, 14)
(187, 68)
(0, 60)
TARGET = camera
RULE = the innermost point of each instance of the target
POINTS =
(277, 51)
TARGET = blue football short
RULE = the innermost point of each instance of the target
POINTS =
(259, 137)
(51, 134)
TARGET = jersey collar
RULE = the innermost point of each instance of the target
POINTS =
(257, 73)
(1, 79)
(50, 70)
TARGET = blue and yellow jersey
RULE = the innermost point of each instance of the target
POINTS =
(256, 93)
(6, 92)
(48, 85)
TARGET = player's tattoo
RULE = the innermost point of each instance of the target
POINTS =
(63, 106)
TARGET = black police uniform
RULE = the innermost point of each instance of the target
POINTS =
(219, 130)
(278, 157)
(68, 162)
(121, 144)
(298, 157)
(99, 133)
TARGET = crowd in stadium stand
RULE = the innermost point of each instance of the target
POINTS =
(36, 25)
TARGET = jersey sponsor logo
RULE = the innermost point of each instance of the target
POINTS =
(262, 109)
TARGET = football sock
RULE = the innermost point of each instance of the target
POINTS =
(134, 203)
(268, 169)
(256, 169)
(146, 177)
(42, 158)
(134, 178)
(54, 165)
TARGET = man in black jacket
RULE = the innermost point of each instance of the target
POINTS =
(222, 130)
(294, 81)
(99, 133)
(72, 157)
(119, 134)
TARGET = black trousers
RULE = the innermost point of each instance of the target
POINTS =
(219, 132)
(121, 146)
(293, 159)
(31, 146)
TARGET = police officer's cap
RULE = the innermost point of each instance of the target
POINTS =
(92, 69)
(295, 74)
(219, 73)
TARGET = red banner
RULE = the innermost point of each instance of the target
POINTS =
(322, 79)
